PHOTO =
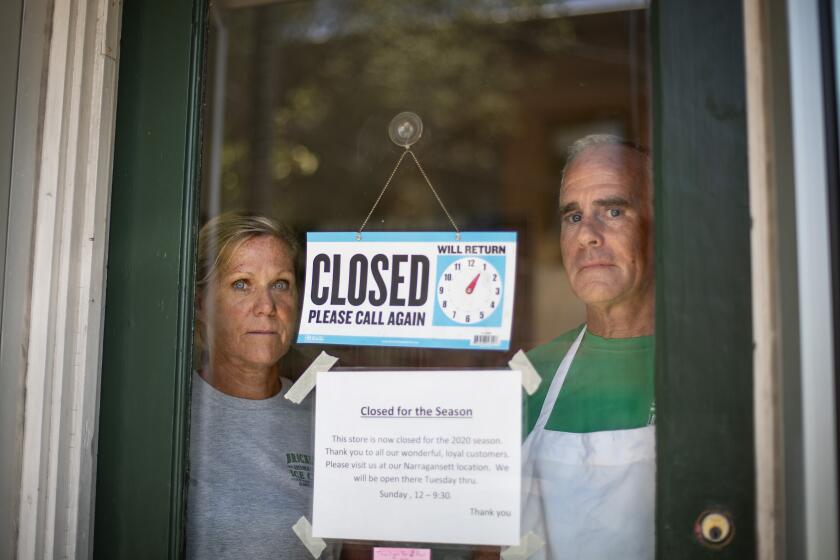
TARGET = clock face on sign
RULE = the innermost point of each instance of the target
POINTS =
(469, 290)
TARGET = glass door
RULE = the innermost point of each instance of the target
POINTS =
(281, 110)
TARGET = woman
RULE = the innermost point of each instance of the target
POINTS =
(250, 449)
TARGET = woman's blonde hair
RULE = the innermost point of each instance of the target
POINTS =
(218, 240)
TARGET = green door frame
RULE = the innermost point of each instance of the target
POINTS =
(704, 368)
(148, 330)
(11, 21)
(704, 344)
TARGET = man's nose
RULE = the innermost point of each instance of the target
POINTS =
(590, 232)
(265, 304)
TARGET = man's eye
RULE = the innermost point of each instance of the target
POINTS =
(280, 285)
(615, 212)
(574, 218)
(239, 285)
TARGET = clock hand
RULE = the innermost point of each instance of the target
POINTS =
(472, 284)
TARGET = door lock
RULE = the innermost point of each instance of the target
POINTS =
(714, 529)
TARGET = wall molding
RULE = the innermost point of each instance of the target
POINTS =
(66, 298)
(816, 339)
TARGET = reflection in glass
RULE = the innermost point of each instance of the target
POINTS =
(300, 95)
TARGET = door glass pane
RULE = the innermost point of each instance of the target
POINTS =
(299, 98)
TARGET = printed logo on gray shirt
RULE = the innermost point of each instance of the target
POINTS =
(300, 468)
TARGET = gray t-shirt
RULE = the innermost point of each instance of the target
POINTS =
(250, 475)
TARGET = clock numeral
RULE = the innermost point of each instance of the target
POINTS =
(469, 270)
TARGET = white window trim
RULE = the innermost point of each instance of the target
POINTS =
(66, 295)
(814, 279)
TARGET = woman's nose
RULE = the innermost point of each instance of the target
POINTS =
(265, 304)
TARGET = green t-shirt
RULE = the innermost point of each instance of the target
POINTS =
(609, 385)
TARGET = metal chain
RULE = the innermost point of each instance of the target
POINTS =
(434, 192)
(388, 182)
(378, 198)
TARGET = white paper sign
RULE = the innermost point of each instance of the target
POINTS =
(417, 289)
(418, 456)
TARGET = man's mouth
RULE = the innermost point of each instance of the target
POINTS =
(594, 265)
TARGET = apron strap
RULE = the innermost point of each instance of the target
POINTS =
(557, 382)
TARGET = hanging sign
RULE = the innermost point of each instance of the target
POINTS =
(422, 456)
(415, 289)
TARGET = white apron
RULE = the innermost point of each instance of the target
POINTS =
(588, 496)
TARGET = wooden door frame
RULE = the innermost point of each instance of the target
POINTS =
(704, 368)
(703, 317)
(149, 309)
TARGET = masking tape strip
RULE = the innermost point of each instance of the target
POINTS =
(530, 378)
(303, 530)
(301, 388)
(529, 544)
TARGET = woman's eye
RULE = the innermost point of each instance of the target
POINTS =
(280, 285)
(239, 285)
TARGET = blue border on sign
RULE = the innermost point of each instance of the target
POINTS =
(439, 318)
(400, 342)
(409, 236)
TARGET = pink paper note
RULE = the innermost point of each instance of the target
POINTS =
(402, 553)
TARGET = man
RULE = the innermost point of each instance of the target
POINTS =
(589, 455)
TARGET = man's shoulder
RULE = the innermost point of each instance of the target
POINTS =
(552, 352)
(545, 359)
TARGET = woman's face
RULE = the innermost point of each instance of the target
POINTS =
(250, 308)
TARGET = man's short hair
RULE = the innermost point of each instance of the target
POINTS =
(593, 140)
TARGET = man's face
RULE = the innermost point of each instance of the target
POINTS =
(606, 232)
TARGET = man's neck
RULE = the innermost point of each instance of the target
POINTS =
(624, 320)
